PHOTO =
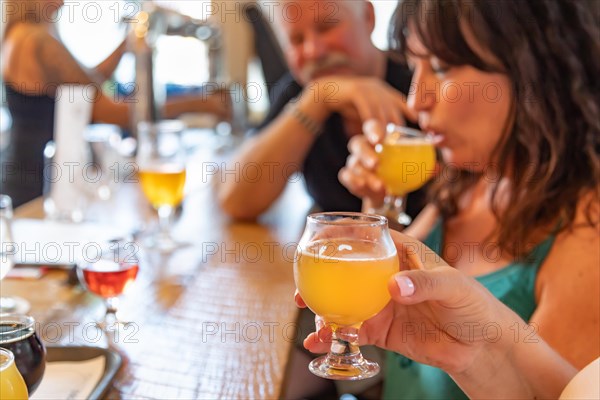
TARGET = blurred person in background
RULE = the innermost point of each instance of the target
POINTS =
(517, 204)
(34, 63)
(337, 80)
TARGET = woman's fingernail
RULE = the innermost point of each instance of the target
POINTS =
(405, 284)
(370, 162)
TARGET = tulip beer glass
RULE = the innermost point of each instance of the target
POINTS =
(162, 174)
(406, 162)
(12, 385)
(343, 263)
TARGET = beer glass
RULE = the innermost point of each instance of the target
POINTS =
(406, 162)
(7, 251)
(12, 385)
(17, 334)
(108, 277)
(161, 163)
(342, 266)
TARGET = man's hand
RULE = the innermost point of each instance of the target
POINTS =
(355, 98)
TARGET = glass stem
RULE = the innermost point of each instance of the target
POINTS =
(164, 219)
(345, 352)
(396, 203)
(111, 309)
(395, 209)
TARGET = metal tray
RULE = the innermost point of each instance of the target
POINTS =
(82, 353)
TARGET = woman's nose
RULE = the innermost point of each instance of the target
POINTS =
(423, 93)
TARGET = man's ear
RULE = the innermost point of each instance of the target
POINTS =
(370, 16)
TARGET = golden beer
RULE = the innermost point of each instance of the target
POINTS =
(345, 281)
(163, 186)
(405, 164)
(12, 385)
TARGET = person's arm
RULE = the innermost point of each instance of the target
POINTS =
(270, 157)
(218, 103)
(60, 67)
(567, 291)
(423, 223)
(523, 368)
(257, 176)
(107, 67)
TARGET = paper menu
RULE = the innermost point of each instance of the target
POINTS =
(70, 379)
(49, 242)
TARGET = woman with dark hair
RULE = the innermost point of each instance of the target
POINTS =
(510, 91)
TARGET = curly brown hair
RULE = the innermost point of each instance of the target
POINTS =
(550, 152)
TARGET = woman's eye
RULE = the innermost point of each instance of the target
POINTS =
(440, 70)
(439, 67)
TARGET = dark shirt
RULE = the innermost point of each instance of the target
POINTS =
(330, 151)
(23, 160)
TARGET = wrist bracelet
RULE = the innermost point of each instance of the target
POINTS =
(307, 122)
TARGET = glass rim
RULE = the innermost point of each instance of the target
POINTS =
(112, 253)
(162, 126)
(361, 219)
(5, 201)
(123, 265)
(407, 132)
(10, 358)
(26, 321)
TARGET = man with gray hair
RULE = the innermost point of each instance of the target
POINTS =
(338, 80)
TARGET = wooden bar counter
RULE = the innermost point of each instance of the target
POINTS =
(215, 319)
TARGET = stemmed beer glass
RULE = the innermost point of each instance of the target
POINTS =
(342, 266)
(108, 277)
(12, 304)
(161, 162)
(12, 385)
(406, 162)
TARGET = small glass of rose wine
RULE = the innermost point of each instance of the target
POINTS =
(108, 276)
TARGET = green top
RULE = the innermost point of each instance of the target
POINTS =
(514, 285)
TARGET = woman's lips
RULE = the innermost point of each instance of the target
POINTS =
(438, 138)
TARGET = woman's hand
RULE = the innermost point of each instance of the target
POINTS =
(359, 175)
(437, 315)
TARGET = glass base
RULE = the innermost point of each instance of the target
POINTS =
(401, 219)
(111, 321)
(14, 305)
(163, 243)
(326, 367)
(112, 325)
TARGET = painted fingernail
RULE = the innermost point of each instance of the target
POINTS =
(405, 284)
